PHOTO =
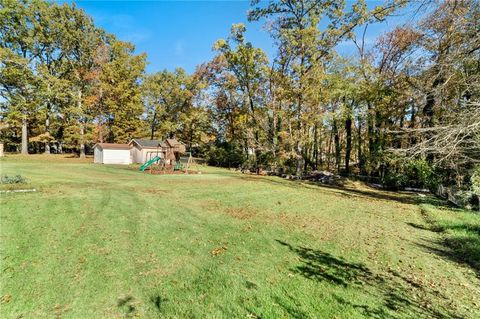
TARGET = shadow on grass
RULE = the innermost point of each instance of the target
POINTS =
(348, 191)
(287, 302)
(399, 295)
(458, 240)
(127, 304)
(425, 227)
(461, 246)
(157, 301)
(322, 266)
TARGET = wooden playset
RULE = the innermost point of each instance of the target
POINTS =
(170, 158)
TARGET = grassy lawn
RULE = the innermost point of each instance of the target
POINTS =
(100, 241)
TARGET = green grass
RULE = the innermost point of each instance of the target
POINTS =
(101, 241)
(461, 234)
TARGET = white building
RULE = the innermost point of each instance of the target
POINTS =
(143, 150)
(109, 153)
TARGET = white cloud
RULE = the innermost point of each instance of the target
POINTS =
(179, 48)
(123, 26)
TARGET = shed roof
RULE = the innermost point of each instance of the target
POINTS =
(146, 143)
(172, 141)
(113, 146)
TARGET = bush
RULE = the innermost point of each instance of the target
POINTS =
(266, 160)
(17, 179)
(416, 173)
(476, 181)
(394, 180)
(225, 155)
(421, 174)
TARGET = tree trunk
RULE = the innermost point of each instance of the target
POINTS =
(428, 109)
(370, 130)
(329, 151)
(256, 150)
(274, 134)
(315, 147)
(348, 128)
(24, 135)
(320, 153)
(82, 127)
(360, 155)
(47, 143)
(299, 167)
(337, 145)
(152, 128)
(82, 143)
(413, 139)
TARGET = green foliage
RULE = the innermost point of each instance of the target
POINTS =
(266, 159)
(121, 103)
(466, 199)
(225, 155)
(416, 173)
(65, 81)
(61, 73)
(421, 173)
(394, 180)
(172, 107)
(244, 70)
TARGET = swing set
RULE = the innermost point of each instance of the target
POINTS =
(179, 165)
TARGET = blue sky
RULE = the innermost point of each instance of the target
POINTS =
(182, 33)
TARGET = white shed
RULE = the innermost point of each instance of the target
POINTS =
(109, 153)
(144, 150)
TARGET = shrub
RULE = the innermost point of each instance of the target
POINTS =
(415, 173)
(225, 155)
(476, 181)
(266, 160)
(421, 174)
(394, 180)
(16, 179)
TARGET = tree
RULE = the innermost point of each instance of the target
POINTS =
(170, 101)
(52, 66)
(455, 142)
(248, 65)
(83, 45)
(304, 51)
(120, 100)
(18, 80)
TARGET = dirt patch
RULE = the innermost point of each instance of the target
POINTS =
(6, 299)
(156, 191)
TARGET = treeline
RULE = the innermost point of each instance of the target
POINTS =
(64, 82)
(403, 111)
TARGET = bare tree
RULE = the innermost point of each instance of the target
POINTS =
(454, 143)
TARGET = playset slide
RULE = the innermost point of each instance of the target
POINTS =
(150, 162)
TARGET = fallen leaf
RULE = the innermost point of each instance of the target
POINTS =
(6, 299)
(218, 251)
